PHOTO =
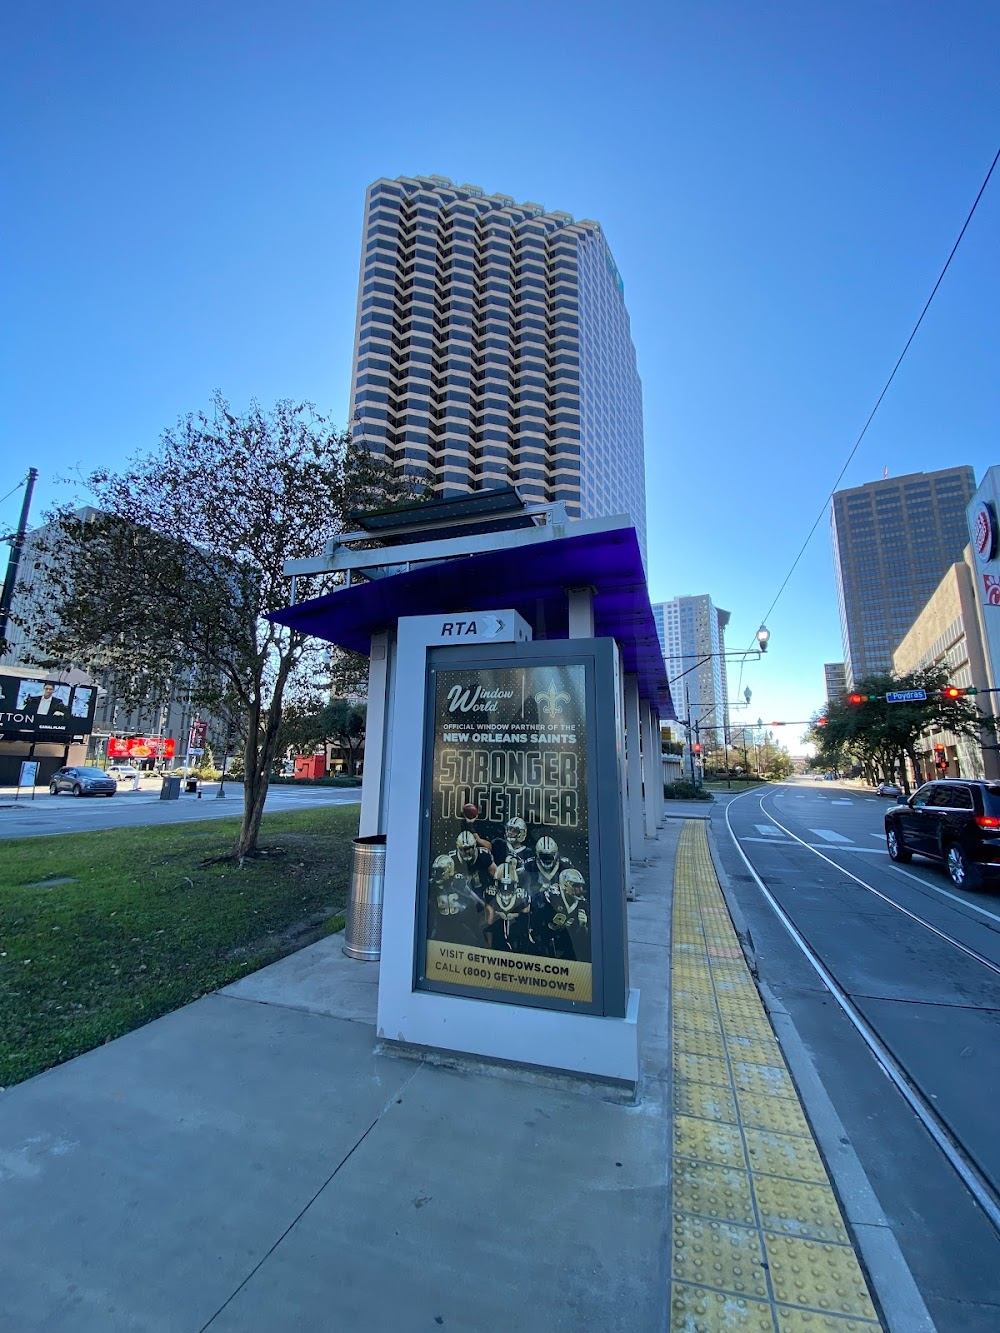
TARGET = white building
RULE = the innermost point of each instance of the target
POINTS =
(493, 347)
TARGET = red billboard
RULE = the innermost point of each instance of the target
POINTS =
(141, 747)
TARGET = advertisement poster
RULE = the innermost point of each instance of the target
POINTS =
(33, 708)
(507, 872)
(141, 747)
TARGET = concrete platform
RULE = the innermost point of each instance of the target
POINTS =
(252, 1164)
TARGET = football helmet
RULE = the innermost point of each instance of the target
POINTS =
(509, 874)
(547, 854)
(468, 848)
(571, 883)
(442, 869)
(516, 831)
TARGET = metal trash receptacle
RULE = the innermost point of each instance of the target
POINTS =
(363, 932)
(171, 789)
(191, 785)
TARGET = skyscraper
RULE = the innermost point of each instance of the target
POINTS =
(892, 542)
(835, 678)
(493, 347)
(692, 634)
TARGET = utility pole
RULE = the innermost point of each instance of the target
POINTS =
(14, 560)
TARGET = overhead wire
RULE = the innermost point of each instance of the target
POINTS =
(878, 402)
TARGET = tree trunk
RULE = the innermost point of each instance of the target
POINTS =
(261, 750)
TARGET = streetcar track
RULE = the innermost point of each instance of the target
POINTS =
(962, 1162)
(884, 897)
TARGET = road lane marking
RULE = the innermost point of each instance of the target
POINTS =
(768, 830)
(948, 894)
(828, 835)
(842, 800)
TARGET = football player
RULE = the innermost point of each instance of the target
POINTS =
(456, 907)
(456, 891)
(508, 908)
(546, 865)
(513, 843)
(560, 918)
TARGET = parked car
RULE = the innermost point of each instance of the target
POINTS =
(955, 821)
(888, 789)
(123, 772)
(82, 782)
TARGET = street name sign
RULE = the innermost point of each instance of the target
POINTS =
(905, 696)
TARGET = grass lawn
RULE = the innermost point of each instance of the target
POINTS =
(143, 927)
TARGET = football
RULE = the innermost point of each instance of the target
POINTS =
(470, 811)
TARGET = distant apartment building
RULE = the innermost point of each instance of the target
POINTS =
(948, 633)
(893, 540)
(835, 678)
(493, 348)
(161, 714)
(692, 634)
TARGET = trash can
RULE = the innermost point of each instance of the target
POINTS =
(191, 785)
(363, 932)
(170, 789)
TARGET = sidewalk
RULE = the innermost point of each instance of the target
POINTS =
(250, 1163)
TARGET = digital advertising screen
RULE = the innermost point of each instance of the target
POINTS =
(37, 709)
(506, 873)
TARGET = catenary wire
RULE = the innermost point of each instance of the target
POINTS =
(885, 390)
(6, 497)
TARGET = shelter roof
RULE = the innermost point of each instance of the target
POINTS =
(529, 571)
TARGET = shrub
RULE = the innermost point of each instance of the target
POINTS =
(685, 791)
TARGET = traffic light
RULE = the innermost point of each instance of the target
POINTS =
(953, 692)
(940, 759)
(821, 722)
(861, 698)
(696, 747)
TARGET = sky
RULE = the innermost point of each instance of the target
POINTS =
(780, 184)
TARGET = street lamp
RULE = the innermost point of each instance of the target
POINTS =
(763, 636)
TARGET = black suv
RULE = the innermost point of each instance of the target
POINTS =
(957, 821)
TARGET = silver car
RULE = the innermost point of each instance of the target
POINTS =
(82, 782)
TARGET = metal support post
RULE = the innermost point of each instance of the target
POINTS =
(633, 765)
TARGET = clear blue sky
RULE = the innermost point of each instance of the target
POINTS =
(780, 184)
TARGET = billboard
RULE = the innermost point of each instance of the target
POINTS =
(141, 747)
(33, 708)
(506, 909)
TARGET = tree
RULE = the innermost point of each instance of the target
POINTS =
(880, 736)
(182, 562)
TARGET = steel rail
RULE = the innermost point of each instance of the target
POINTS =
(968, 1171)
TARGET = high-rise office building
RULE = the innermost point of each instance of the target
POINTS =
(493, 347)
(892, 542)
(835, 678)
(692, 634)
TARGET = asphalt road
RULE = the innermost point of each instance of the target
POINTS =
(26, 818)
(920, 962)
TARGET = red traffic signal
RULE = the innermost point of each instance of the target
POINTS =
(696, 748)
(821, 722)
(953, 691)
(855, 698)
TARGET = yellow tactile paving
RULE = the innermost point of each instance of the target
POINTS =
(759, 1243)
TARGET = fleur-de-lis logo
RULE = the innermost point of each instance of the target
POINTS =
(550, 701)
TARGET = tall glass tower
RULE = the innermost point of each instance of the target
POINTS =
(692, 634)
(493, 347)
(893, 541)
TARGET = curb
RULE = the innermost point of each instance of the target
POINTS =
(895, 1289)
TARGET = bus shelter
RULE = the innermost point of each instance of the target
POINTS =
(513, 765)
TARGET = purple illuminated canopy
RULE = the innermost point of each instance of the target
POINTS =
(533, 579)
